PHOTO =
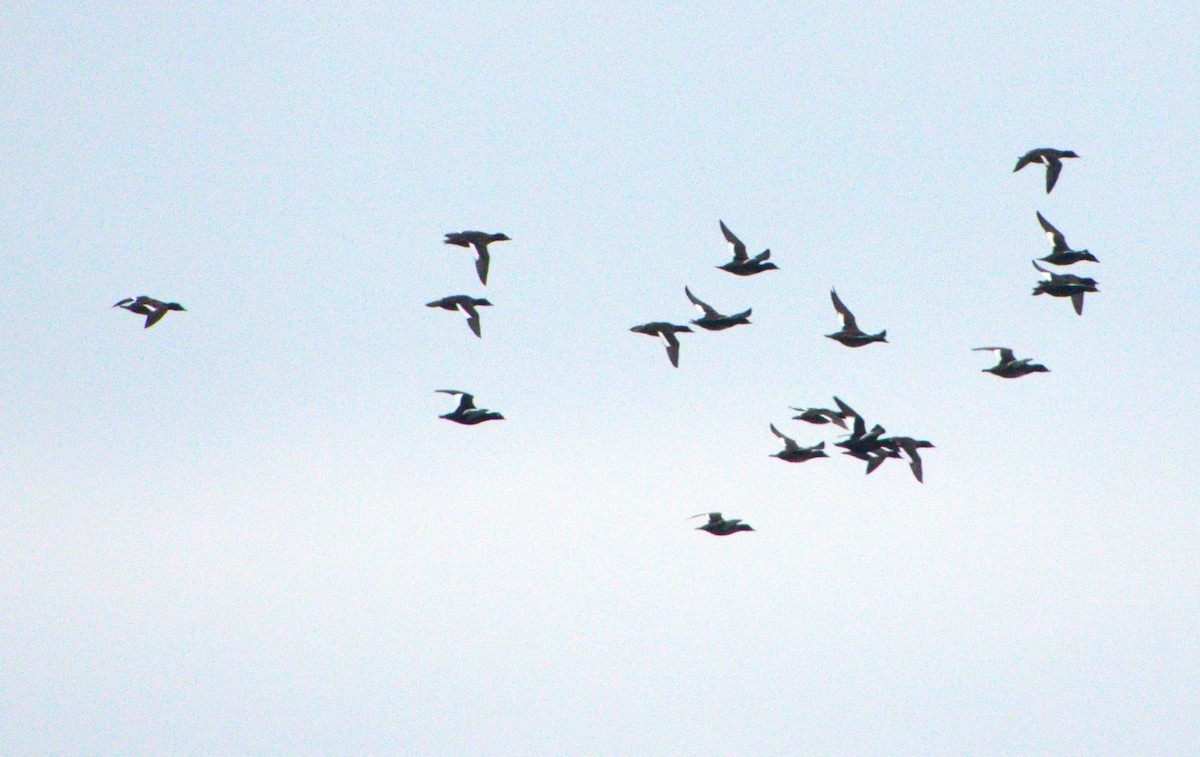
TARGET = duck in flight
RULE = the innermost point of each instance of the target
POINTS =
(1062, 254)
(794, 453)
(851, 335)
(480, 241)
(1051, 157)
(718, 526)
(466, 304)
(890, 446)
(466, 413)
(153, 309)
(1065, 285)
(819, 415)
(712, 320)
(742, 264)
(667, 332)
(1008, 366)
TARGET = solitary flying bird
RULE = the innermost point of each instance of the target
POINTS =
(153, 309)
(665, 331)
(794, 453)
(1008, 366)
(742, 264)
(711, 319)
(1051, 157)
(851, 335)
(466, 413)
(718, 526)
(1065, 285)
(464, 303)
(1062, 254)
(480, 241)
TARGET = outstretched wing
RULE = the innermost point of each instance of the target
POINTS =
(1030, 157)
(1053, 168)
(848, 321)
(672, 343)
(1056, 236)
(704, 306)
(1005, 354)
(788, 443)
(481, 263)
(739, 248)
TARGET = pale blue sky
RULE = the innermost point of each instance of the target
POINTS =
(245, 530)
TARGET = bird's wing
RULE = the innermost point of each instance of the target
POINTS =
(1005, 354)
(1053, 168)
(788, 443)
(739, 248)
(154, 317)
(703, 306)
(1077, 301)
(481, 263)
(123, 302)
(1056, 236)
(672, 346)
(848, 321)
(1026, 159)
(763, 256)
(472, 316)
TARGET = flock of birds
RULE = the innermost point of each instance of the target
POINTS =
(870, 446)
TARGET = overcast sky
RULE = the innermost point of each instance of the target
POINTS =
(246, 531)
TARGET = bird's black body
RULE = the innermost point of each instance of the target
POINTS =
(1062, 254)
(851, 335)
(742, 264)
(711, 319)
(466, 413)
(1009, 367)
(1049, 156)
(467, 305)
(1065, 285)
(665, 331)
(718, 526)
(794, 453)
(480, 241)
(153, 309)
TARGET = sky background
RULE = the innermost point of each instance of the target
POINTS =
(246, 531)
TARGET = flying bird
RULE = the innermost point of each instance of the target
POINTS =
(851, 335)
(1051, 157)
(153, 309)
(463, 303)
(718, 526)
(891, 446)
(1008, 366)
(1062, 254)
(794, 453)
(820, 416)
(1065, 285)
(480, 241)
(742, 264)
(466, 413)
(667, 332)
(711, 319)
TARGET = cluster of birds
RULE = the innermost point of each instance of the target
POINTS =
(870, 446)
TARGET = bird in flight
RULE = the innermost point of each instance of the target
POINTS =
(480, 241)
(667, 332)
(1061, 254)
(851, 335)
(742, 264)
(718, 526)
(466, 413)
(1051, 157)
(153, 309)
(712, 320)
(1008, 366)
(463, 303)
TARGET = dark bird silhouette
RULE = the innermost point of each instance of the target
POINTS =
(742, 264)
(890, 446)
(794, 453)
(1065, 285)
(480, 241)
(819, 416)
(1051, 157)
(466, 413)
(1062, 254)
(153, 309)
(861, 443)
(1008, 366)
(851, 335)
(718, 526)
(665, 331)
(463, 303)
(711, 319)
